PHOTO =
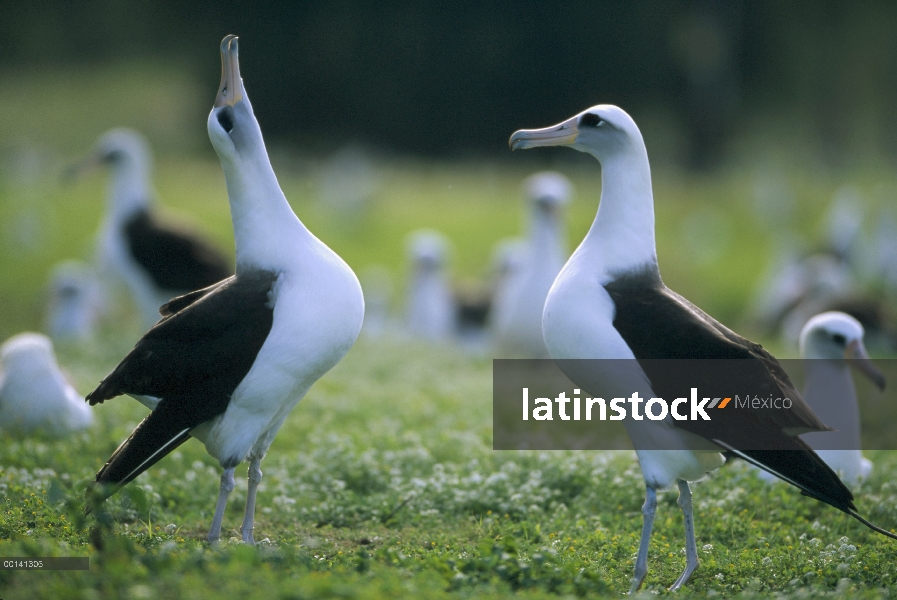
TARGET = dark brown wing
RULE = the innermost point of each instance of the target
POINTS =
(667, 333)
(192, 360)
(175, 259)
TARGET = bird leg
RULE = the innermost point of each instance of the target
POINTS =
(227, 486)
(691, 548)
(255, 477)
(641, 561)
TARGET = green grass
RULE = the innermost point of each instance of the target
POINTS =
(382, 483)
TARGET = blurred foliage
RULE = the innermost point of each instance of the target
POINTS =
(716, 234)
(443, 79)
(64, 109)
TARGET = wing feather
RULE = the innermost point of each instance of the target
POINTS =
(175, 259)
(667, 333)
(193, 360)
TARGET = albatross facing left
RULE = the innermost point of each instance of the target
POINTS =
(227, 363)
(156, 259)
(609, 302)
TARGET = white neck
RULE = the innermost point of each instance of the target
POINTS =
(622, 234)
(831, 394)
(547, 236)
(267, 233)
(129, 188)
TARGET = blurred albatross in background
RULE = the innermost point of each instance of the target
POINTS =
(155, 258)
(516, 316)
(35, 396)
(833, 342)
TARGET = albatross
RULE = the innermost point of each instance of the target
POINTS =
(430, 308)
(76, 302)
(609, 302)
(517, 307)
(227, 363)
(154, 257)
(35, 395)
(833, 343)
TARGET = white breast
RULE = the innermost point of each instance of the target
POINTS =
(318, 313)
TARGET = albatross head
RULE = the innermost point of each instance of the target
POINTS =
(121, 146)
(603, 131)
(548, 191)
(233, 129)
(267, 233)
(836, 336)
(127, 154)
(428, 251)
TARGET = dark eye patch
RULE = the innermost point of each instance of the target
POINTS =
(113, 156)
(590, 120)
(226, 120)
(839, 339)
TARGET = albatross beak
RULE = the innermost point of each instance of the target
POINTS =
(77, 169)
(562, 134)
(231, 89)
(859, 360)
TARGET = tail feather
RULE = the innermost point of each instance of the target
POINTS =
(156, 436)
(810, 474)
(802, 468)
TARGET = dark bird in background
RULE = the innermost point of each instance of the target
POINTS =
(156, 258)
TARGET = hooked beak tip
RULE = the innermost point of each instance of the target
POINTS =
(231, 89)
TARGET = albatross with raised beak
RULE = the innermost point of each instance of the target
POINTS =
(609, 302)
(227, 363)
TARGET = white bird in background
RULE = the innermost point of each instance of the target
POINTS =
(609, 303)
(507, 258)
(76, 302)
(833, 342)
(35, 396)
(516, 317)
(430, 312)
(227, 363)
(156, 259)
(348, 184)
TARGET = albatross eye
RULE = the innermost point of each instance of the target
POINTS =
(113, 156)
(839, 339)
(590, 120)
(225, 120)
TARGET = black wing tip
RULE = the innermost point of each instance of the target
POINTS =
(841, 496)
(98, 492)
(853, 513)
(93, 398)
(100, 394)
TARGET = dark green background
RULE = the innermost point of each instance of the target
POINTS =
(447, 78)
